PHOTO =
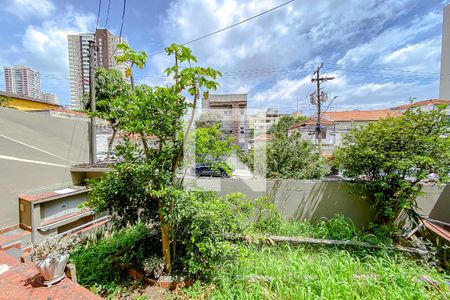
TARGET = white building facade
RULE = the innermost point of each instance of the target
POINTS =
(22, 80)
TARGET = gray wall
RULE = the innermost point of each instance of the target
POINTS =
(312, 200)
(36, 152)
(444, 87)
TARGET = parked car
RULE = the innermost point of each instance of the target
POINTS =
(207, 170)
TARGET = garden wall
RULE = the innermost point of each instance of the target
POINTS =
(312, 200)
(36, 152)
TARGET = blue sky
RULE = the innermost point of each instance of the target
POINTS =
(381, 52)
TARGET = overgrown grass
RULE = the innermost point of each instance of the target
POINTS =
(286, 272)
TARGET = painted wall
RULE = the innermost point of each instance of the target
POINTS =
(36, 153)
(25, 105)
(312, 200)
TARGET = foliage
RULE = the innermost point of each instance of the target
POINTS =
(283, 124)
(287, 272)
(212, 147)
(102, 264)
(144, 186)
(131, 58)
(203, 223)
(288, 157)
(111, 90)
(393, 155)
(269, 221)
(4, 101)
(124, 191)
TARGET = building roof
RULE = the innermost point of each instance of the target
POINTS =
(422, 103)
(360, 115)
(22, 97)
(332, 117)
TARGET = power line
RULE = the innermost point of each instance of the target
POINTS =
(123, 18)
(98, 12)
(121, 28)
(107, 14)
(230, 26)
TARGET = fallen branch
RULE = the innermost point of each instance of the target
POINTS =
(300, 240)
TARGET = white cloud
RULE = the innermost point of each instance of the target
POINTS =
(46, 45)
(391, 39)
(424, 56)
(30, 8)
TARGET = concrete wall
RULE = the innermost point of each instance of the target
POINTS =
(36, 152)
(312, 200)
(444, 87)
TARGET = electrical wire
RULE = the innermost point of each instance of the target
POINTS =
(228, 27)
(98, 13)
(121, 28)
(123, 18)
(107, 14)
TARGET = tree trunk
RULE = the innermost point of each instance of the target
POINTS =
(111, 142)
(165, 236)
(180, 150)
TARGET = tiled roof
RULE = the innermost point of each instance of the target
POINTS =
(361, 115)
(71, 112)
(422, 103)
(332, 117)
(51, 194)
(312, 122)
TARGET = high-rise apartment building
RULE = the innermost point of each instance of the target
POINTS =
(22, 80)
(78, 47)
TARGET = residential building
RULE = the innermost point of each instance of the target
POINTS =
(263, 120)
(49, 97)
(426, 105)
(335, 124)
(232, 111)
(78, 48)
(22, 80)
(20, 102)
(444, 87)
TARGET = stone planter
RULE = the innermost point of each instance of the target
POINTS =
(52, 268)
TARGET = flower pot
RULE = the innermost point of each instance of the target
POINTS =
(52, 267)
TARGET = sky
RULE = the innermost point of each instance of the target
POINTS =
(381, 53)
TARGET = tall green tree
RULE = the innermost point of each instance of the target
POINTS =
(111, 90)
(155, 115)
(392, 157)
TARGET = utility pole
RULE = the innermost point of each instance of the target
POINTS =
(92, 128)
(317, 98)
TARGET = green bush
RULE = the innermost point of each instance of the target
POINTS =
(102, 263)
(204, 224)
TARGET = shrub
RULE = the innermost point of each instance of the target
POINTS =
(102, 264)
(203, 224)
(392, 157)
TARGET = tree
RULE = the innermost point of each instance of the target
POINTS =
(4, 101)
(110, 91)
(132, 58)
(281, 127)
(287, 156)
(155, 113)
(392, 157)
(212, 147)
